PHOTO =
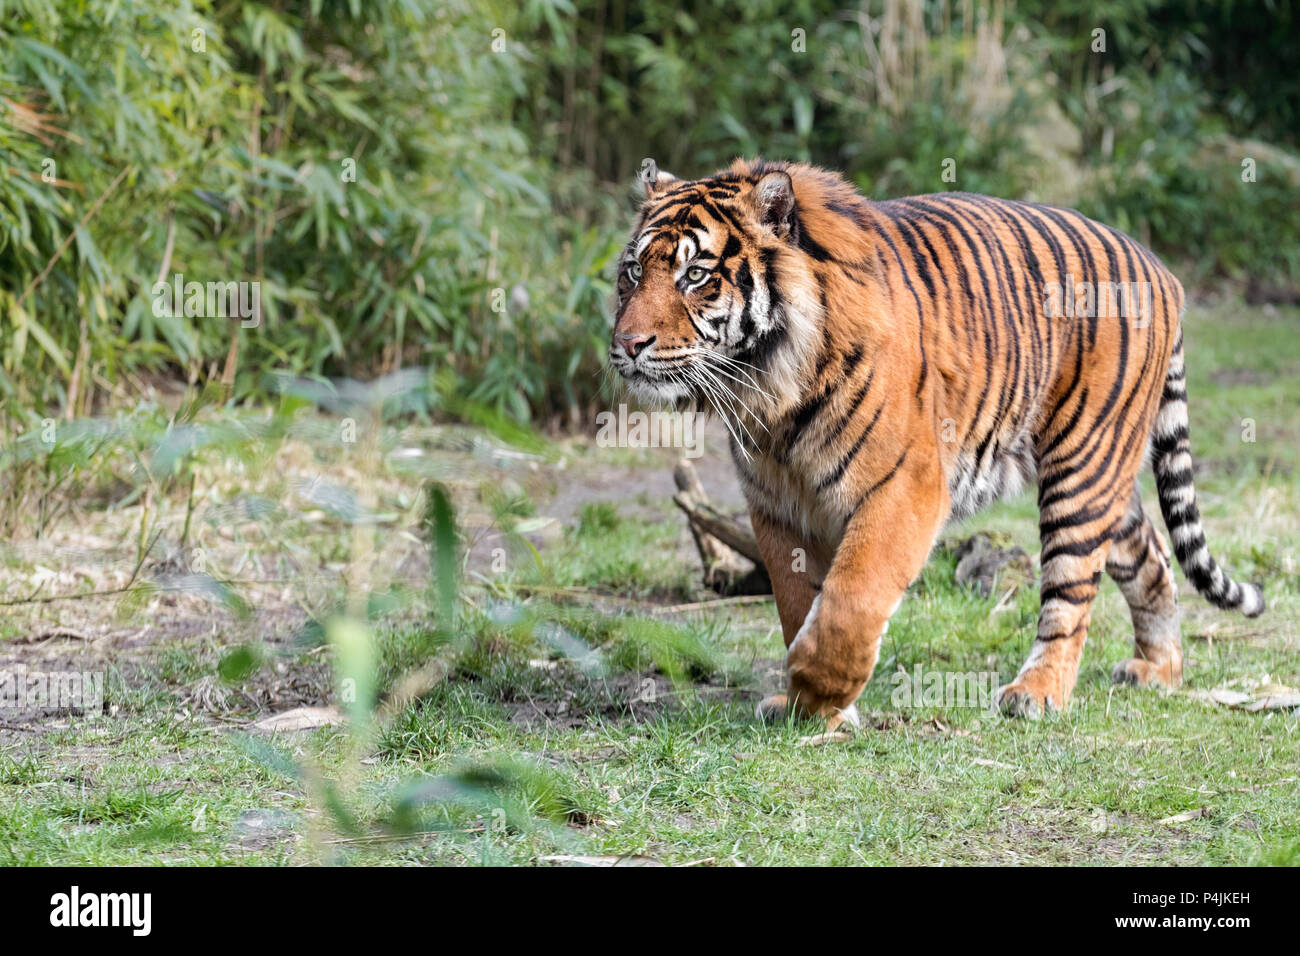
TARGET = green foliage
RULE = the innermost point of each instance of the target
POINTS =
(1148, 134)
(440, 523)
(444, 185)
(238, 664)
(356, 163)
(597, 518)
(1242, 54)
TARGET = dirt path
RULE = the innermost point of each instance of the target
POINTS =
(282, 572)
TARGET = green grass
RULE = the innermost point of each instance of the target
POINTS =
(631, 557)
(555, 731)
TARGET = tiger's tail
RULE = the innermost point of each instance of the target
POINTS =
(1172, 464)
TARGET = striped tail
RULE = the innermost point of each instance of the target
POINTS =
(1172, 463)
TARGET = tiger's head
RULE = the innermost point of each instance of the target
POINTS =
(717, 303)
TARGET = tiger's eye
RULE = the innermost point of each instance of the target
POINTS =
(695, 274)
(635, 270)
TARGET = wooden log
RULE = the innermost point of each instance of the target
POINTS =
(688, 480)
(720, 562)
(718, 526)
(720, 540)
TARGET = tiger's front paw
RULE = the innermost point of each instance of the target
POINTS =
(1021, 699)
(829, 665)
(776, 708)
(772, 709)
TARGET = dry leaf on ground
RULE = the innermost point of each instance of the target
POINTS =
(603, 860)
(1187, 817)
(1258, 694)
(301, 718)
(817, 740)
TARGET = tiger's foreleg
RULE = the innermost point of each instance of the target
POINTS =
(895, 518)
(796, 568)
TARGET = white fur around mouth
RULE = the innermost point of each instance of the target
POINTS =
(655, 393)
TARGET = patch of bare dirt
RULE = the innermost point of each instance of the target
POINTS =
(624, 485)
(106, 631)
(277, 687)
(1073, 836)
(636, 490)
(102, 651)
(632, 697)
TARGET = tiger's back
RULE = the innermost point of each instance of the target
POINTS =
(1028, 314)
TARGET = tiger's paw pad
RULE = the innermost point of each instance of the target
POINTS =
(776, 708)
(773, 709)
(844, 716)
(1138, 672)
(1018, 700)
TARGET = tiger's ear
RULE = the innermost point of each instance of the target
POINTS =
(653, 179)
(773, 199)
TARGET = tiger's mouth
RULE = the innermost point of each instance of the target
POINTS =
(652, 379)
(656, 389)
(696, 377)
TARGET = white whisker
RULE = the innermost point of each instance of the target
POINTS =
(747, 380)
(713, 373)
(705, 377)
(715, 397)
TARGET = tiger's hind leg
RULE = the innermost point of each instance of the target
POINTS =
(1139, 563)
(1076, 536)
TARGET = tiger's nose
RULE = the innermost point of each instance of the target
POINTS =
(633, 344)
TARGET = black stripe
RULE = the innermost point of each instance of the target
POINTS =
(889, 476)
(842, 466)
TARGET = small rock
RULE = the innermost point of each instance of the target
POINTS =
(980, 563)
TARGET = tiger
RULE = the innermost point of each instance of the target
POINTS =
(885, 367)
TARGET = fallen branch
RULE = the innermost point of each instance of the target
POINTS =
(704, 517)
(716, 602)
(50, 598)
(722, 541)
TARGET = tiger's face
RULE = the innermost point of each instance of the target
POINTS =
(698, 311)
